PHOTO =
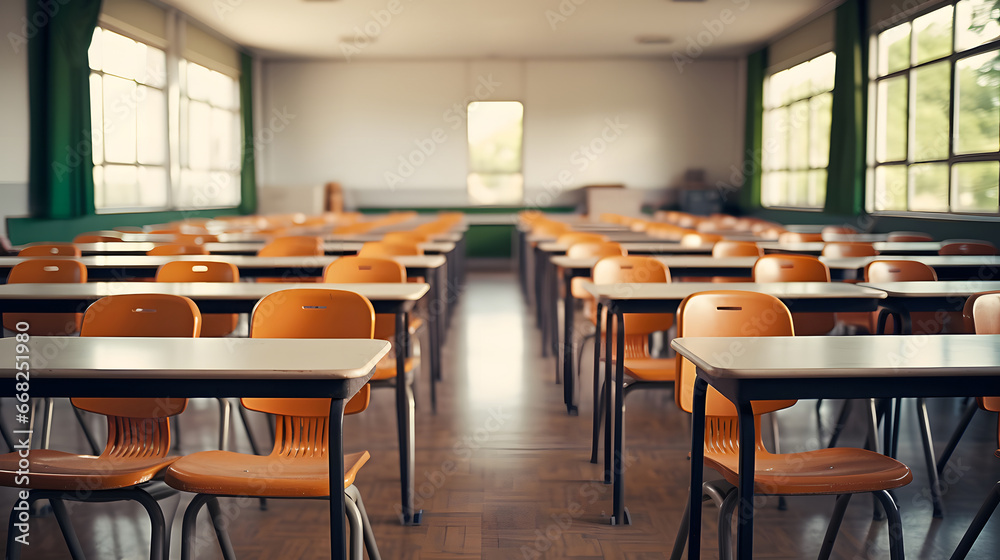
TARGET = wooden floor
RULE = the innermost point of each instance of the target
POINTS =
(504, 473)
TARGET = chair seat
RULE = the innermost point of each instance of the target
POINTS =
(386, 367)
(837, 470)
(226, 473)
(58, 470)
(651, 369)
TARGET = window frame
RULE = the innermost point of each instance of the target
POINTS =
(874, 79)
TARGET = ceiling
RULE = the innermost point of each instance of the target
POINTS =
(421, 29)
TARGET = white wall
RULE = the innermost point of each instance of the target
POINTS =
(641, 122)
(13, 113)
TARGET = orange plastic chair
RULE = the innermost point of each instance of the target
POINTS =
(843, 249)
(96, 238)
(50, 250)
(839, 471)
(642, 369)
(171, 249)
(798, 237)
(138, 442)
(292, 246)
(699, 239)
(925, 322)
(797, 268)
(298, 466)
(45, 271)
(968, 248)
(838, 230)
(574, 237)
(908, 236)
(405, 237)
(195, 238)
(727, 248)
(986, 317)
(582, 251)
(377, 249)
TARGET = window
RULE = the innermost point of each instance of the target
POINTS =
(136, 164)
(935, 112)
(796, 138)
(495, 132)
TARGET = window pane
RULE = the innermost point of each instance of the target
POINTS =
(119, 120)
(156, 68)
(152, 126)
(976, 186)
(97, 118)
(820, 118)
(776, 88)
(495, 130)
(800, 85)
(822, 70)
(122, 56)
(223, 92)
(496, 188)
(894, 49)
(978, 107)
(223, 156)
(99, 201)
(817, 188)
(976, 23)
(890, 127)
(199, 82)
(929, 187)
(890, 187)
(774, 189)
(798, 136)
(798, 189)
(153, 187)
(199, 135)
(121, 189)
(775, 154)
(95, 52)
(932, 35)
(932, 95)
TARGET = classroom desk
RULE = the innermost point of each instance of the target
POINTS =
(827, 367)
(947, 267)
(208, 367)
(799, 297)
(884, 248)
(241, 297)
(903, 298)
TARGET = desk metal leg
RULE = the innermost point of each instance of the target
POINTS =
(597, 387)
(434, 352)
(697, 467)
(404, 423)
(553, 284)
(621, 515)
(608, 387)
(569, 390)
(338, 518)
(747, 459)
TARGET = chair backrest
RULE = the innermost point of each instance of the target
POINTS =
(177, 249)
(727, 248)
(838, 230)
(384, 249)
(968, 248)
(346, 270)
(405, 237)
(195, 238)
(573, 237)
(50, 250)
(727, 313)
(908, 236)
(309, 313)
(95, 238)
(797, 268)
(595, 249)
(293, 246)
(130, 433)
(198, 271)
(899, 271)
(985, 311)
(550, 229)
(799, 237)
(848, 249)
(699, 239)
(44, 271)
(142, 315)
(790, 268)
(615, 270)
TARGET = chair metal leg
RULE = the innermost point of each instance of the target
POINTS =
(897, 415)
(929, 459)
(773, 417)
(598, 423)
(219, 524)
(984, 514)
(895, 524)
(224, 415)
(159, 547)
(47, 410)
(66, 527)
(190, 525)
(354, 494)
(246, 426)
(839, 508)
(726, 525)
(956, 436)
(355, 550)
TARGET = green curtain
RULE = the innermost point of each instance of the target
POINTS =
(61, 165)
(845, 184)
(248, 175)
(753, 140)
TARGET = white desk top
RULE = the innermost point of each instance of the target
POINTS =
(843, 356)
(694, 261)
(680, 290)
(887, 247)
(189, 358)
(970, 261)
(940, 288)
(241, 261)
(402, 291)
